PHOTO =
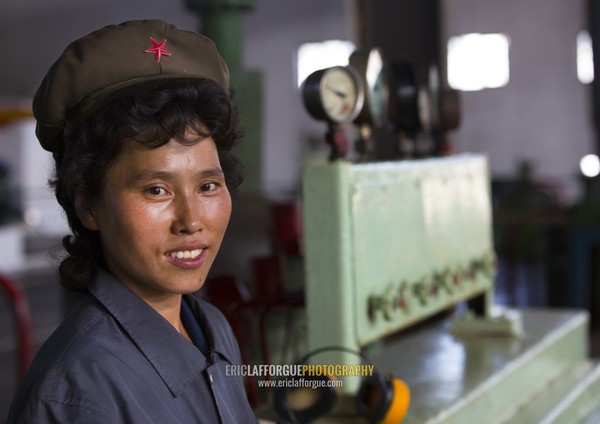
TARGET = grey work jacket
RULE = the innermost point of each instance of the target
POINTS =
(116, 360)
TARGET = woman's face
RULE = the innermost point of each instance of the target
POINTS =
(162, 216)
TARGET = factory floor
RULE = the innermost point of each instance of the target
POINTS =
(46, 300)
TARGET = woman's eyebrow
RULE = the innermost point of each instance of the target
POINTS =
(212, 172)
(166, 175)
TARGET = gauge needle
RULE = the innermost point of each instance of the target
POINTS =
(338, 93)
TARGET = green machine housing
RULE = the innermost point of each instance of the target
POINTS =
(389, 244)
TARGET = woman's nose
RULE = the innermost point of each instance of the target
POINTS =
(188, 215)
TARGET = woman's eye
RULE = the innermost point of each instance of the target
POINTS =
(156, 191)
(208, 187)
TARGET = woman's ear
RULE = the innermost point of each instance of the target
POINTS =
(85, 213)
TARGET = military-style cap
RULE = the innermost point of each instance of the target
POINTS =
(117, 58)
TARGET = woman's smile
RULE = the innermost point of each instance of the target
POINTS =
(188, 258)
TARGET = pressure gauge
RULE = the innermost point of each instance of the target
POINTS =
(333, 94)
(372, 69)
(439, 107)
(404, 100)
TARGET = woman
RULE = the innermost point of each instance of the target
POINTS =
(141, 126)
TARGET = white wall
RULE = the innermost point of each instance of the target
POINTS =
(543, 114)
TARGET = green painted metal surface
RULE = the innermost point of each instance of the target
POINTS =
(389, 244)
(500, 381)
(581, 401)
(328, 245)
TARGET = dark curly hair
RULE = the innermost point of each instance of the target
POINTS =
(151, 116)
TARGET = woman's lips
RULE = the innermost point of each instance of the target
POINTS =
(185, 254)
(186, 258)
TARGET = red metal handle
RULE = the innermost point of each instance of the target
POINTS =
(22, 314)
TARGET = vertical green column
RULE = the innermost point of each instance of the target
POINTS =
(221, 20)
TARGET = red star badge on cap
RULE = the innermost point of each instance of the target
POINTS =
(158, 49)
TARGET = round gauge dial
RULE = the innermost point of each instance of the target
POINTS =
(338, 94)
(371, 66)
(333, 94)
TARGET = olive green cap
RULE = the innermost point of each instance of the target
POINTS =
(118, 58)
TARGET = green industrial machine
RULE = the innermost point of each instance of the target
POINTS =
(389, 244)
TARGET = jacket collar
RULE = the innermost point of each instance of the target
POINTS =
(174, 358)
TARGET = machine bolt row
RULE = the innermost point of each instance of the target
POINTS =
(397, 297)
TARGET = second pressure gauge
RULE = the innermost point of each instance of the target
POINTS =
(334, 94)
(371, 66)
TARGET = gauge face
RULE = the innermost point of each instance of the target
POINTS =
(339, 94)
(333, 94)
